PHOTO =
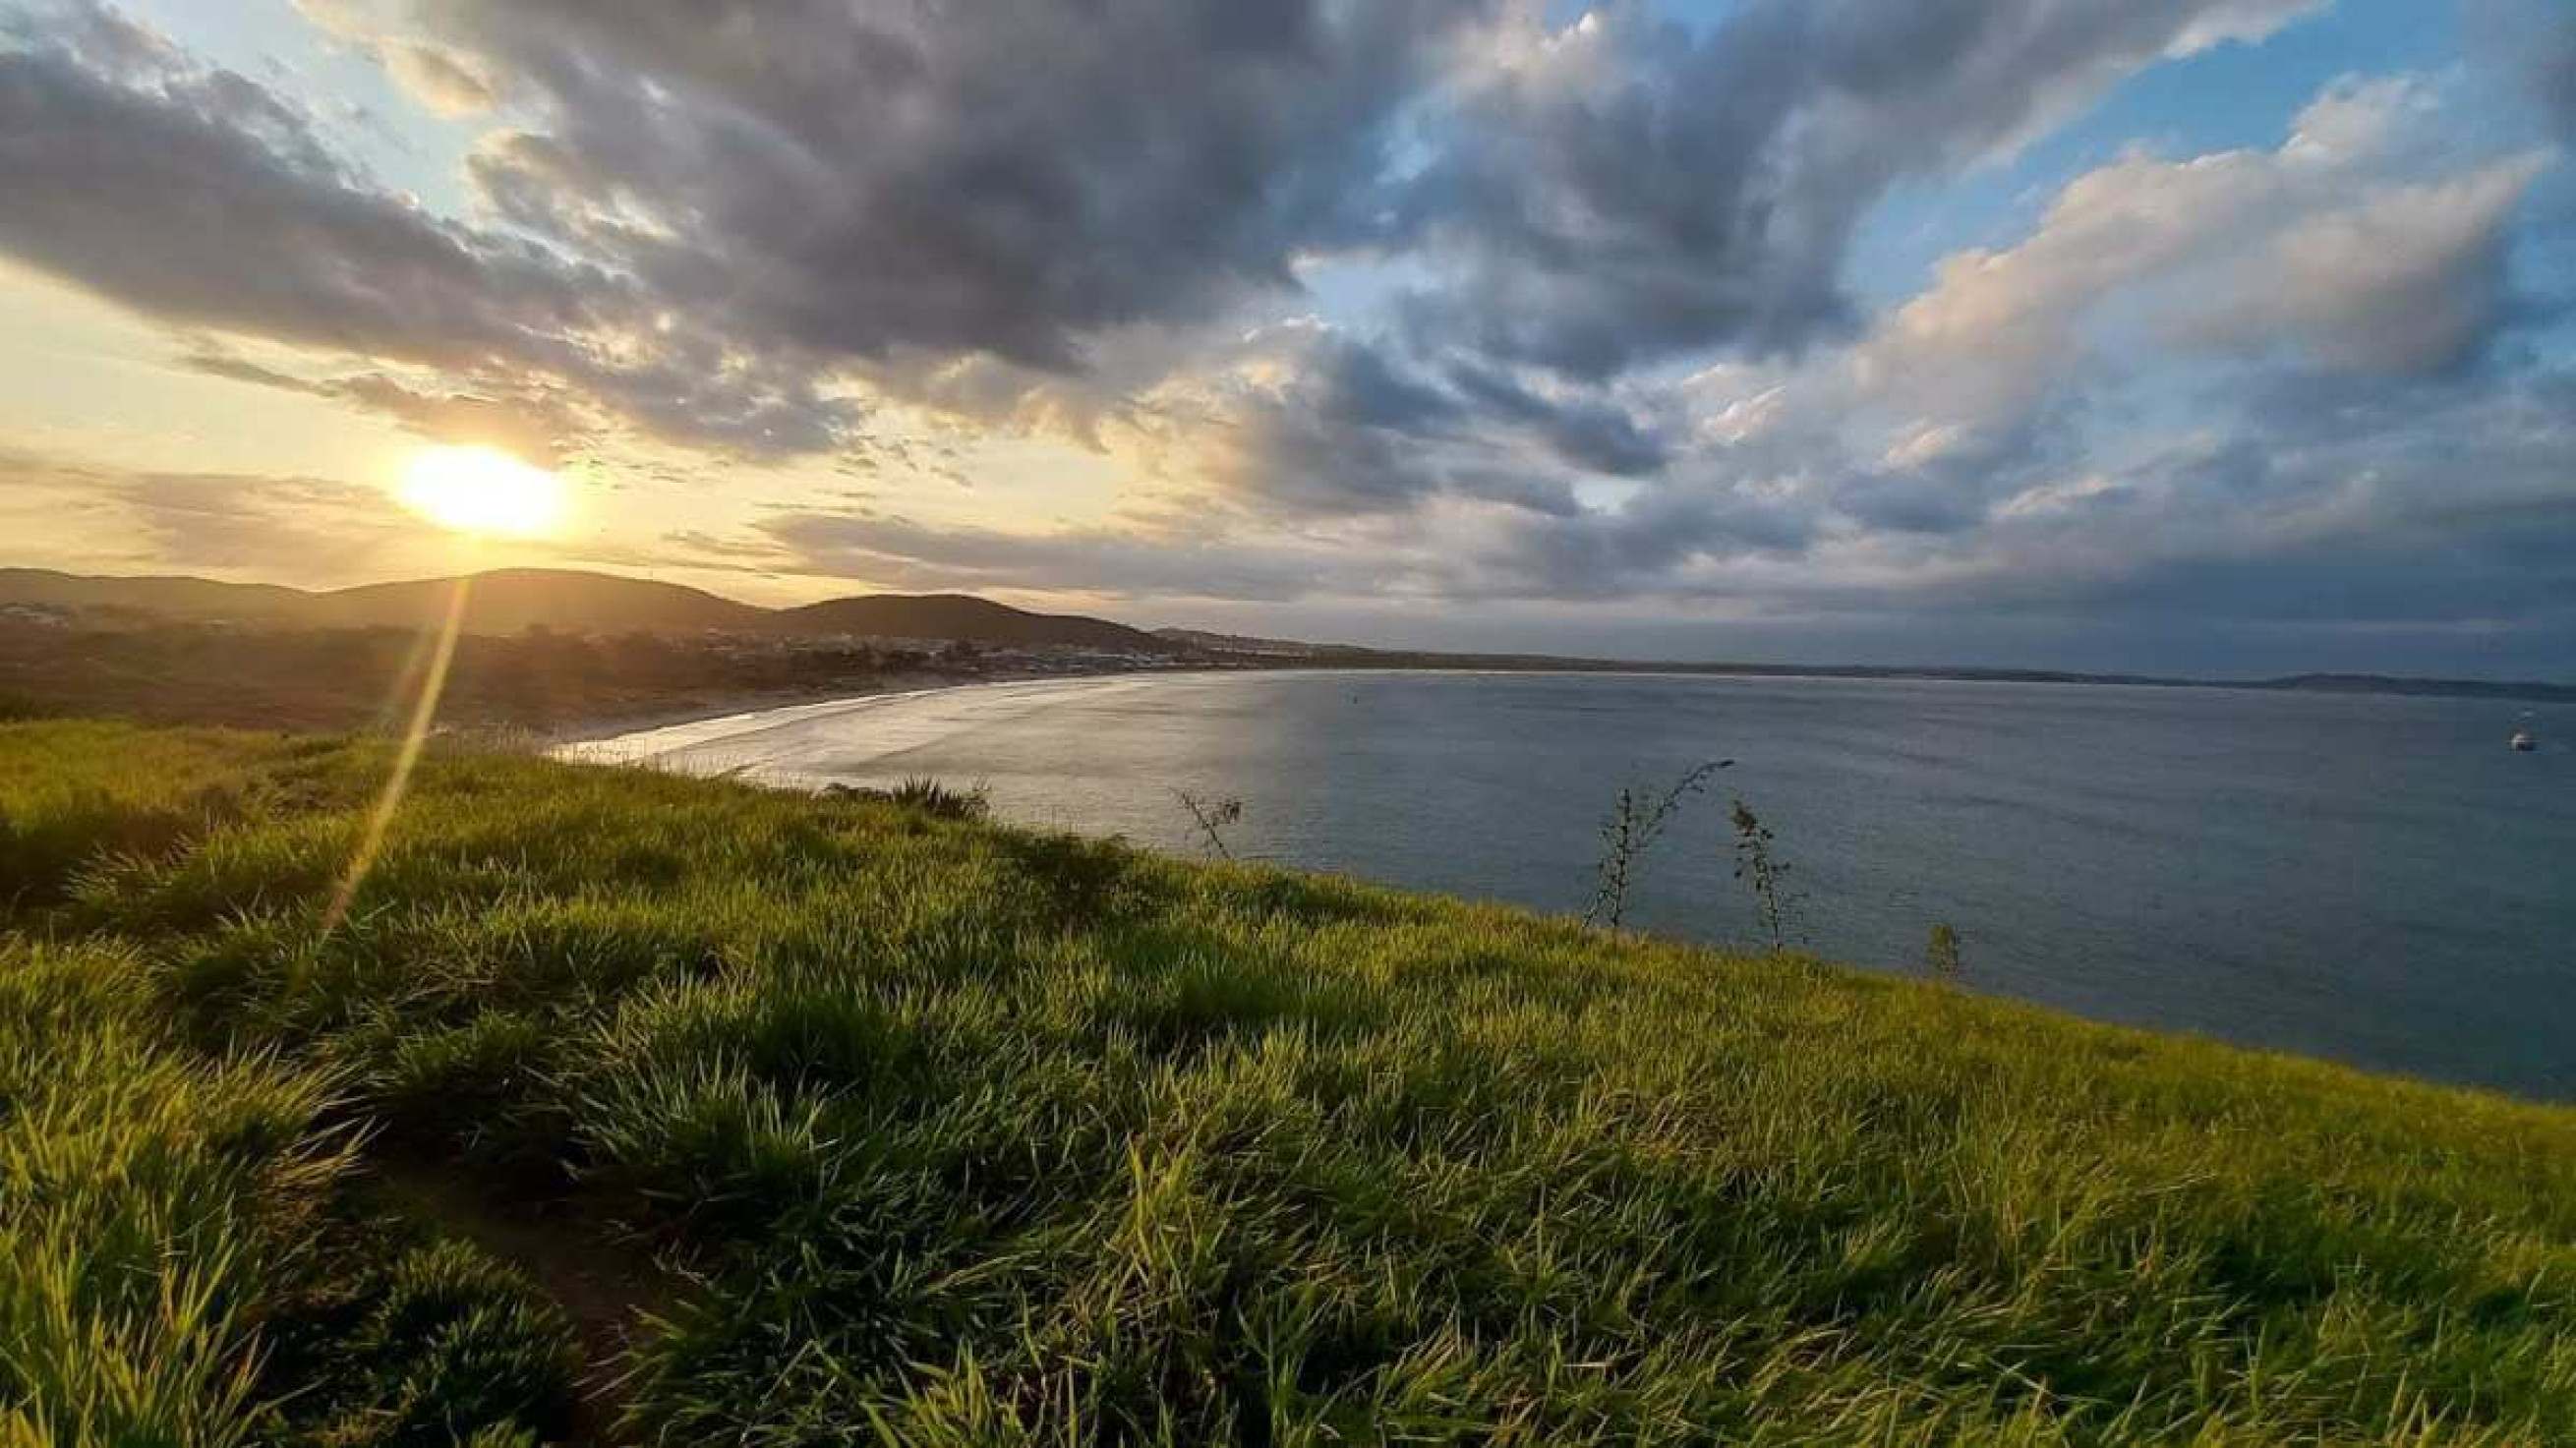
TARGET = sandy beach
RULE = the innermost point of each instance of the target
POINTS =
(617, 724)
(802, 744)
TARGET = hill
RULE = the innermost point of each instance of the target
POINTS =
(512, 600)
(508, 601)
(1246, 645)
(622, 1105)
(198, 598)
(958, 616)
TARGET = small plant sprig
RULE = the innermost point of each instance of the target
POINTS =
(1756, 865)
(1941, 953)
(1212, 817)
(924, 795)
(940, 801)
(1637, 819)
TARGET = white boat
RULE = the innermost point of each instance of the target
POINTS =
(2522, 741)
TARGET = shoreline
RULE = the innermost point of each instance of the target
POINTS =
(599, 728)
(562, 739)
(596, 728)
(679, 734)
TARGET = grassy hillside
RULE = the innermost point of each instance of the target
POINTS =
(368, 678)
(829, 1121)
(512, 600)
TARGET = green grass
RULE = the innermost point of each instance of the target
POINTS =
(938, 1132)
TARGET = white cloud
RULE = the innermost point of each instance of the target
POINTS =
(2333, 247)
(2246, 20)
(2405, 279)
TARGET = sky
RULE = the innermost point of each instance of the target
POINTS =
(2227, 337)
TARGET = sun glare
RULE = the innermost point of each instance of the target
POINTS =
(482, 490)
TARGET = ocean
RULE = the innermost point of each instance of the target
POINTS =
(2373, 879)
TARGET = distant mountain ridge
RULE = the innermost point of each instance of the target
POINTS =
(512, 600)
(962, 616)
(1247, 645)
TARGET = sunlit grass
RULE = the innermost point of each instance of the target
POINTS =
(968, 1135)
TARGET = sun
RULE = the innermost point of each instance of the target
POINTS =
(483, 490)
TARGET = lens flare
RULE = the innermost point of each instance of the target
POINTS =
(483, 490)
(424, 715)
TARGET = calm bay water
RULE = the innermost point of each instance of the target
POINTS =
(2375, 879)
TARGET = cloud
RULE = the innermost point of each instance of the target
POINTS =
(2405, 279)
(63, 512)
(226, 521)
(445, 83)
(2337, 514)
(713, 228)
(210, 360)
(1669, 543)
(2440, 501)
(1616, 192)
(528, 424)
(2554, 73)
(859, 180)
(202, 199)
(815, 188)
(2042, 428)
(1603, 353)
(1307, 421)
(2534, 40)
(216, 522)
(901, 553)
(1302, 420)
(1584, 432)
(2332, 246)
(449, 83)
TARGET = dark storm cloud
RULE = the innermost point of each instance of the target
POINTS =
(719, 219)
(1334, 428)
(202, 199)
(978, 178)
(1335, 425)
(1586, 433)
(1642, 547)
(1306, 423)
(904, 187)
(1627, 192)
(807, 185)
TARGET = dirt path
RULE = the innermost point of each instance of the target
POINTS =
(601, 1286)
